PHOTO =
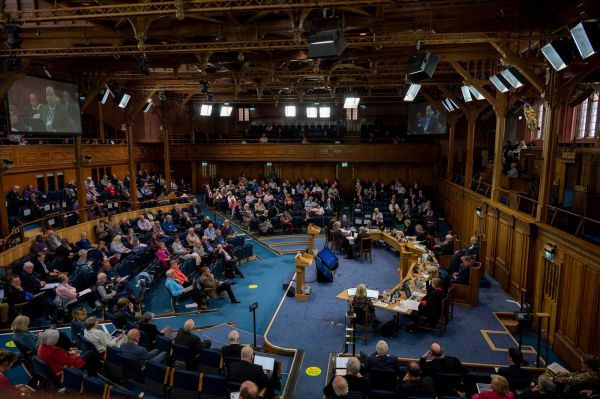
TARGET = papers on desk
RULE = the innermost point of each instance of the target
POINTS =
(373, 294)
(49, 286)
(84, 292)
(557, 368)
(341, 372)
(406, 306)
(267, 363)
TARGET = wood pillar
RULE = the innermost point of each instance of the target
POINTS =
(194, 177)
(81, 190)
(132, 171)
(452, 120)
(471, 115)
(500, 108)
(551, 130)
(3, 210)
(166, 132)
(100, 122)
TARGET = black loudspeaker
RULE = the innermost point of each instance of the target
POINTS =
(326, 44)
(421, 66)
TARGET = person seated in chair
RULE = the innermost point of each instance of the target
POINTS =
(230, 262)
(248, 390)
(518, 379)
(178, 292)
(473, 248)
(344, 222)
(168, 226)
(220, 239)
(177, 274)
(414, 385)
(381, 360)
(132, 350)
(186, 337)
(234, 349)
(361, 301)
(100, 338)
(147, 326)
(356, 382)
(210, 233)
(245, 369)
(43, 270)
(463, 274)
(445, 247)
(214, 287)
(430, 307)
(124, 314)
(363, 233)
(499, 390)
(339, 237)
(226, 229)
(434, 361)
(83, 243)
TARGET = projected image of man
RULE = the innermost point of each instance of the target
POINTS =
(72, 111)
(55, 119)
(430, 123)
(33, 114)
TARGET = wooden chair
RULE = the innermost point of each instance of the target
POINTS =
(361, 320)
(440, 325)
(450, 300)
(365, 249)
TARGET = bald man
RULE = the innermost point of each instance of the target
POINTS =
(435, 361)
(340, 387)
(186, 337)
(248, 390)
(245, 369)
(140, 354)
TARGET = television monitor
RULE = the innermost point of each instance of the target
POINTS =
(328, 258)
(43, 107)
(424, 119)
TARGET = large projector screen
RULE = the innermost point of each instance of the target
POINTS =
(423, 119)
(43, 106)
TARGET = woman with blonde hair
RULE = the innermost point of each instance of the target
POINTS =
(117, 247)
(22, 335)
(499, 390)
(362, 301)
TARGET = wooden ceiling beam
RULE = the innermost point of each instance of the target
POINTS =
(92, 94)
(469, 80)
(509, 58)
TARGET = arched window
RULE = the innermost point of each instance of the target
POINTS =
(587, 117)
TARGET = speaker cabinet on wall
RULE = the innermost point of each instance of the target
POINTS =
(421, 66)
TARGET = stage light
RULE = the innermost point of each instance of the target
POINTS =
(513, 76)
(450, 105)
(351, 102)
(445, 106)
(326, 44)
(162, 96)
(311, 112)
(558, 53)
(226, 110)
(587, 38)
(148, 105)
(13, 40)
(412, 91)
(476, 93)
(290, 111)
(466, 92)
(123, 100)
(324, 112)
(205, 110)
(501, 84)
(103, 95)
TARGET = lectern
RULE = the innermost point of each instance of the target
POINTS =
(303, 260)
(312, 230)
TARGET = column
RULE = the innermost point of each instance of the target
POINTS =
(81, 191)
(167, 157)
(452, 120)
(132, 171)
(471, 115)
(100, 122)
(500, 109)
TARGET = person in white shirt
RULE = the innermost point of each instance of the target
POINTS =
(178, 249)
(100, 338)
(117, 247)
(192, 238)
(144, 224)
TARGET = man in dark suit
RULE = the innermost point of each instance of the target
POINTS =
(431, 304)
(14, 200)
(186, 337)
(234, 349)
(463, 274)
(43, 270)
(356, 382)
(473, 248)
(362, 234)
(381, 360)
(140, 354)
(31, 283)
(518, 379)
(434, 361)
(54, 115)
(414, 385)
(245, 370)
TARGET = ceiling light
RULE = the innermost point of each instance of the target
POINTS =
(513, 76)
(351, 102)
(324, 112)
(226, 110)
(558, 53)
(466, 92)
(311, 112)
(205, 110)
(501, 84)
(290, 111)
(123, 100)
(587, 38)
(476, 93)
(412, 91)
(103, 96)
(148, 105)
(445, 106)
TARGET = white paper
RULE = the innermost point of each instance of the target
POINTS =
(341, 361)
(191, 305)
(49, 286)
(46, 208)
(557, 368)
(373, 294)
(84, 292)
(267, 363)
(26, 212)
(351, 291)
(410, 305)
(340, 372)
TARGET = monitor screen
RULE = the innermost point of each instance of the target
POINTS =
(328, 258)
(44, 107)
(424, 119)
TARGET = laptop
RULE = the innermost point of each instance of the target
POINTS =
(267, 363)
(409, 295)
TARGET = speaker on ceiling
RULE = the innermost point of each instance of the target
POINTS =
(421, 66)
(326, 44)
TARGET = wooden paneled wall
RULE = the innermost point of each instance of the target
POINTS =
(568, 288)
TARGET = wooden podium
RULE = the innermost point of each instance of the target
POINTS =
(303, 260)
(312, 230)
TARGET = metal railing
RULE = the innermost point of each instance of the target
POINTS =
(574, 223)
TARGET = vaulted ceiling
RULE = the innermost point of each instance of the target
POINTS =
(256, 50)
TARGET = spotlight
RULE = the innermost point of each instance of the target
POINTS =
(501, 84)
(226, 110)
(13, 40)
(466, 92)
(450, 105)
(162, 96)
(324, 112)
(205, 110)
(587, 38)
(326, 44)
(290, 111)
(446, 106)
(411, 91)
(558, 53)
(476, 93)
(311, 112)
(513, 76)
(148, 105)
(103, 95)
(143, 64)
(351, 101)
(123, 99)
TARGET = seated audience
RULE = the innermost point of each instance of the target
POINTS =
(186, 337)
(518, 379)
(360, 302)
(544, 389)
(100, 338)
(7, 361)
(214, 287)
(227, 229)
(415, 385)
(58, 358)
(180, 292)
(381, 360)
(124, 314)
(132, 350)
(463, 274)
(22, 335)
(340, 387)
(234, 349)
(430, 306)
(147, 326)
(576, 380)
(163, 255)
(118, 248)
(245, 369)
(248, 390)
(356, 382)
(499, 390)
(434, 361)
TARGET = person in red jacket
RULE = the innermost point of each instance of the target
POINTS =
(58, 359)
(499, 390)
